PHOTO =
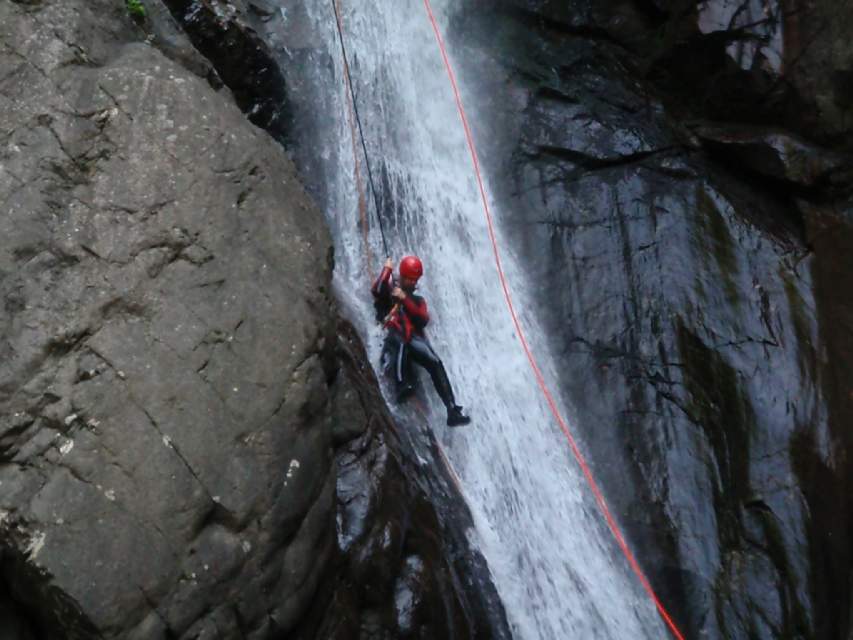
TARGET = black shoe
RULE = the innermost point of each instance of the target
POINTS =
(404, 391)
(455, 417)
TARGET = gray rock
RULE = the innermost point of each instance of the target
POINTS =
(349, 419)
(777, 155)
(223, 31)
(395, 575)
(166, 34)
(166, 459)
(763, 62)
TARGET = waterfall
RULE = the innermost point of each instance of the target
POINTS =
(763, 22)
(556, 567)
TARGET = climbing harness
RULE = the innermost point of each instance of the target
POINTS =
(599, 497)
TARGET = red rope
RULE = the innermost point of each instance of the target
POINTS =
(599, 497)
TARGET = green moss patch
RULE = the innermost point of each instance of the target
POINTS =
(136, 9)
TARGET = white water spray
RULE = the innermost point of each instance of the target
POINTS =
(554, 563)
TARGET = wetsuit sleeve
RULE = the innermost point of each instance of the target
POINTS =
(381, 289)
(416, 309)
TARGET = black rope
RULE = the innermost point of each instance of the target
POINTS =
(360, 130)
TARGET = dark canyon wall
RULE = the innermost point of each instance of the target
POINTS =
(678, 176)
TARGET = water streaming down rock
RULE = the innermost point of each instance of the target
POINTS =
(553, 561)
(684, 293)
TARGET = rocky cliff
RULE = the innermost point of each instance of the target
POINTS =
(679, 177)
(190, 445)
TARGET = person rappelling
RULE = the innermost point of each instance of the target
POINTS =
(404, 314)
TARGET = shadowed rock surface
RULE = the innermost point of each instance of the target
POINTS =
(179, 431)
(222, 31)
(403, 553)
(681, 190)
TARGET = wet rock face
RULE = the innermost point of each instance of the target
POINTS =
(778, 156)
(221, 30)
(825, 468)
(394, 576)
(14, 622)
(688, 265)
(769, 62)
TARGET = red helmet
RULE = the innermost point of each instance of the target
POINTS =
(411, 267)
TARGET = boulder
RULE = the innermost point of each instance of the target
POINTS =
(165, 280)
(181, 427)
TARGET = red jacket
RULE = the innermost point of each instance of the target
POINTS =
(411, 315)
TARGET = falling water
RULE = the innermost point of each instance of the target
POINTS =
(555, 564)
(762, 22)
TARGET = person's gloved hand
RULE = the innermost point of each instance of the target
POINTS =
(398, 294)
(389, 264)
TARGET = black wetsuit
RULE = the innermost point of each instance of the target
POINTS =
(406, 342)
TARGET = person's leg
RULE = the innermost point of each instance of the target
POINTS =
(398, 365)
(421, 352)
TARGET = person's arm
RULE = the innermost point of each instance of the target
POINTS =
(382, 286)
